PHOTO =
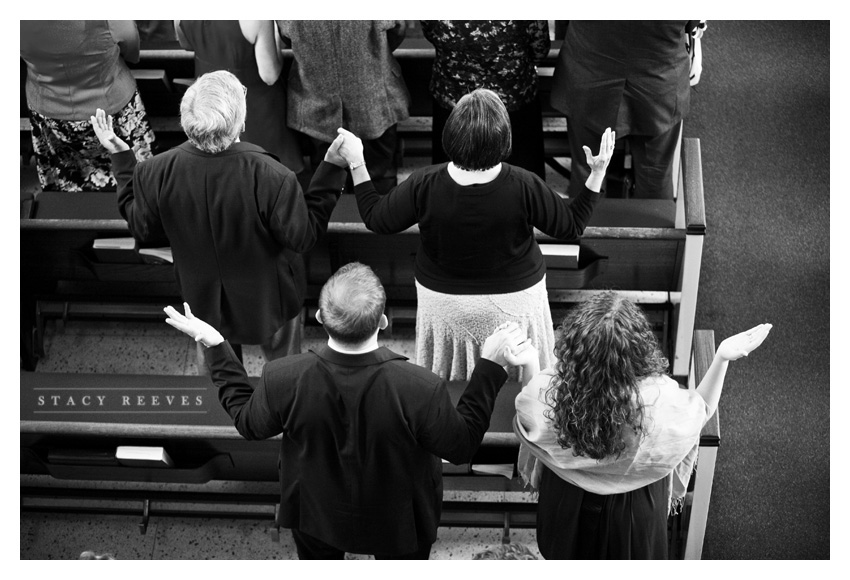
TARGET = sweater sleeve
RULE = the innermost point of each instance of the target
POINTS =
(455, 433)
(387, 214)
(558, 217)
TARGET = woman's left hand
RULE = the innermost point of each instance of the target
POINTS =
(599, 163)
(102, 125)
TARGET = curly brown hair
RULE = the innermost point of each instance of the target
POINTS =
(606, 346)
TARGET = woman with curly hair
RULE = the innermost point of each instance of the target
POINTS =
(609, 440)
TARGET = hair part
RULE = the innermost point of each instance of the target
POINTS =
(212, 112)
(477, 134)
(352, 302)
(606, 347)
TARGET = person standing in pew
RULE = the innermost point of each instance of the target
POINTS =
(73, 68)
(608, 439)
(236, 218)
(635, 76)
(478, 261)
(248, 49)
(363, 429)
(499, 55)
(344, 74)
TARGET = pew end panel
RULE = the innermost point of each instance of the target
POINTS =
(691, 522)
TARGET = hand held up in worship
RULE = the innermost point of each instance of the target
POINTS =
(506, 336)
(199, 330)
(742, 344)
(102, 125)
(599, 163)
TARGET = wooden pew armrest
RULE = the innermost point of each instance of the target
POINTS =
(692, 185)
(703, 351)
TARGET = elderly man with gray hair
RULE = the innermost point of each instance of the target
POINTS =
(236, 219)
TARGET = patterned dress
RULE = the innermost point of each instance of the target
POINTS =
(499, 55)
(69, 156)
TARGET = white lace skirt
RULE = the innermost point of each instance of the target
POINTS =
(450, 328)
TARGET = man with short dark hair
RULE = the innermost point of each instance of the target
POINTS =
(363, 429)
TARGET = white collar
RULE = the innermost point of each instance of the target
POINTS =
(368, 346)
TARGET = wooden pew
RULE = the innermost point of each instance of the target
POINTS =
(71, 423)
(631, 246)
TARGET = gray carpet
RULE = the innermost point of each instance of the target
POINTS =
(761, 112)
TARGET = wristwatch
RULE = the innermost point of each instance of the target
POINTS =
(354, 166)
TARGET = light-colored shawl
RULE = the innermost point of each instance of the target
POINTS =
(673, 418)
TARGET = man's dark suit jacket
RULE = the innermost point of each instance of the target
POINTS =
(362, 437)
(237, 222)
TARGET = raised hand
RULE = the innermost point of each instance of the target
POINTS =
(102, 125)
(199, 330)
(599, 163)
(744, 343)
(351, 148)
(508, 335)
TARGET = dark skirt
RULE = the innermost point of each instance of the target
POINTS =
(574, 524)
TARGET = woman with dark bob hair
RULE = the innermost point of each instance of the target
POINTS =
(478, 264)
(608, 439)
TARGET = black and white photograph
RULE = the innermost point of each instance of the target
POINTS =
(426, 289)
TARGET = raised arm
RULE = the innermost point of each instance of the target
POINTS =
(732, 348)
(388, 214)
(567, 220)
(297, 220)
(181, 37)
(247, 407)
(261, 33)
(143, 221)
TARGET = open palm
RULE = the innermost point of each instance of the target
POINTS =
(743, 343)
(102, 125)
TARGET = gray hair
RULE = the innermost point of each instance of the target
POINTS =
(212, 112)
(352, 302)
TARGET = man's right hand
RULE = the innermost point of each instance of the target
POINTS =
(506, 336)
(199, 330)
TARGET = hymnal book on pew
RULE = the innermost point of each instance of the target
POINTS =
(143, 456)
(156, 255)
(564, 256)
(115, 250)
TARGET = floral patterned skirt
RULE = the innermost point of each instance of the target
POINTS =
(450, 328)
(70, 158)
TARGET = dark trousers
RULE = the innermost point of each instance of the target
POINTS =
(310, 548)
(382, 156)
(652, 159)
(526, 137)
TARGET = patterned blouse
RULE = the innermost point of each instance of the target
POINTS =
(495, 54)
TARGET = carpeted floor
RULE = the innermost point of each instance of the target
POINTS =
(761, 112)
